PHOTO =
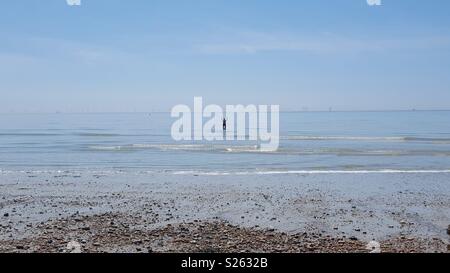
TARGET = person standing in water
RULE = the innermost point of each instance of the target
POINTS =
(224, 124)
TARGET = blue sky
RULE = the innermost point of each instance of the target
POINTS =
(148, 55)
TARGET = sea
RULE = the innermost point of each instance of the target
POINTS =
(310, 142)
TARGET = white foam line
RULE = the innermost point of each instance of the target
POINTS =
(217, 173)
(368, 138)
(314, 172)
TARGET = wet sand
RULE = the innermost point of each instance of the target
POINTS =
(154, 212)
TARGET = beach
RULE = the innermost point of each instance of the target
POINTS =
(339, 182)
(119, 211)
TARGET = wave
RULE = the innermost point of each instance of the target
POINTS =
(368, 152)
(219, 148)
(96, 135)
(366, 138)
(191, 147)
(306, 172)
(108, 148)
(182, 147)
(205, 147)
(225, 173)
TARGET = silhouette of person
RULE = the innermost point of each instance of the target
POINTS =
(224, 124)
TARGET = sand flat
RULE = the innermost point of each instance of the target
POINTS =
(407, 212)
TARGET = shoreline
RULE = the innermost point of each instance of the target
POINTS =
(305, 212)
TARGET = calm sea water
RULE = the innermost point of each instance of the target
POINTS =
(310, 142)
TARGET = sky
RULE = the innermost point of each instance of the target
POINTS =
(149, 55)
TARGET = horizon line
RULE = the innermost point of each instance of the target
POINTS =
(286, 111)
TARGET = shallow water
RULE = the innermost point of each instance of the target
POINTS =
(310, 142)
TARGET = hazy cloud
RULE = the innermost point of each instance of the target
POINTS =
(260, 42)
